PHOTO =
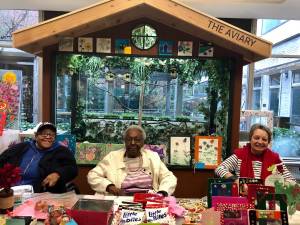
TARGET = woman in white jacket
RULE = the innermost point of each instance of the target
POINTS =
(133, 169)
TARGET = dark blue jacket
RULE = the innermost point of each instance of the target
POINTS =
(60, 160)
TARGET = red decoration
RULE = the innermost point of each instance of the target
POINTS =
(9, 176)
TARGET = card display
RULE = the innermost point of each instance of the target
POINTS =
(265, 217)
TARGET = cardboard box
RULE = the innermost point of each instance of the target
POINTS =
(92, 212)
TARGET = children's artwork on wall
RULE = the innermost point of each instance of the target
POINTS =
(85, 44)
(92, 153)
(10, 81)
(159, 149)
(207, 152)
(180, 151)
(122, 46)
(185, 48)
(66, 44)
(67, 140)
(206, 49)
(165, 47)
(103, 45)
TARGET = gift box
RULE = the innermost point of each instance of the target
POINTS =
(144, 198)
(92, 211)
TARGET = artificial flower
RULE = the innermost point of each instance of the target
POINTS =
(9, 77)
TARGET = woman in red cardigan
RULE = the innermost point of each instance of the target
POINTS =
(254, 159)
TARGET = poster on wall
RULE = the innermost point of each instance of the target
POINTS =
(10, 93)
(207, 152)
(180, 151)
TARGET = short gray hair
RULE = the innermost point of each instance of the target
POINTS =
(137, 128)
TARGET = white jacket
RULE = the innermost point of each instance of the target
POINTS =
(111, 170)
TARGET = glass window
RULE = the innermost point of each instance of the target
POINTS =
(296, 76)
(256, 100)
(275, 79)
(144, 37)
(295, 101)
(12, 20)
(274, 100)
(257, 82)
(270, 24)
(98, 96)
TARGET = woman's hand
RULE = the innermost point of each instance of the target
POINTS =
(114, 190)
(51, 179)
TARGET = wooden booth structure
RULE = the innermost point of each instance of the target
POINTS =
(173, 21)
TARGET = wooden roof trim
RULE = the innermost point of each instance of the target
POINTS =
(169, 12)
(214, 26)
(67, 22)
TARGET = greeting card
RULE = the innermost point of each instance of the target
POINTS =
(244, 181)
(228, 200)
(253, 189)
(270, 199)
(211, 182)
(232, 213)
(262, 217)
(224, 189)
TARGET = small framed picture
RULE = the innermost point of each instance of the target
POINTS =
(85, 44)
(103, 45)
(66, 44)
(180, 151)
(185, 48)
(207, 152)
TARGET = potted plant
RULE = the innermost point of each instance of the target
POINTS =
(9, 176)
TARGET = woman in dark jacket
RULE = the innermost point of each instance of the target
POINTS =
(45, 164)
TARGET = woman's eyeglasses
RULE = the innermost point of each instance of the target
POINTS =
(47, 134)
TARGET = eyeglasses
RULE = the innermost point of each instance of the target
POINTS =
(135, 140)
(45, 134)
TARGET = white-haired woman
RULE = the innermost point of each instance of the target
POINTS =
(132, 170)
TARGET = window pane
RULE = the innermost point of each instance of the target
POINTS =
(12, 20)
(275, 79)
(296, 102)
(296, 76)
(269, 24)
(256, 100)
(274, 100)
(257, 82)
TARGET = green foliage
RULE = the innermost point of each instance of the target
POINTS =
(147, 118)
(26, 125)
(164, 118)
(183, 119)
(111, 116)
(215, 109)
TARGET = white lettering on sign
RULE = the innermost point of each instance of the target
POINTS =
(159, 215)
(231, 33)
(131, 217)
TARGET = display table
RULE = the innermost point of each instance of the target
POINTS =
(8, 137)
(69, 200)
